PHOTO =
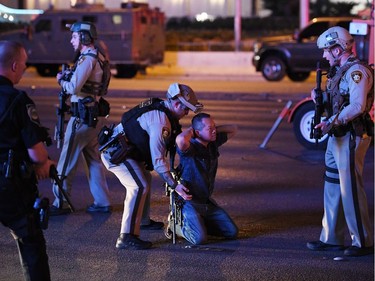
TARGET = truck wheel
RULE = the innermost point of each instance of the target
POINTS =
(47, 70)
(302, 127)
(126, 71)
(273, 68)
(298, 76)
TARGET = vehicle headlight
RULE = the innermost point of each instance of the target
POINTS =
(256, 57)
(256, 46)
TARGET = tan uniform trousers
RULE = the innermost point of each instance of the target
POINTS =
(137, 182)
(345, 202)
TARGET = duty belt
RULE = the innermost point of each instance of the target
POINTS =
(340, 130)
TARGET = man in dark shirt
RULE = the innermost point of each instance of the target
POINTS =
(198, 151)
(24, 160)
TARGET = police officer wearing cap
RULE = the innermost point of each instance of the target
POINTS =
(84, 124)
(150, 130)
(348, 99)
(24, 160)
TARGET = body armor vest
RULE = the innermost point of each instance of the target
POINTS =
(139, 137)
(339, 99)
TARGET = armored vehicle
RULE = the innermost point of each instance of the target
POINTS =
(133, 36)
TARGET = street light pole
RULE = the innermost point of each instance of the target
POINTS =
(237, 26)
(304, 10)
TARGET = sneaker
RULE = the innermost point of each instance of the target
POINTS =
(320, 246)
(153, 225)
(55, 211)
(354, 251)
(131, 242)
(93, 208)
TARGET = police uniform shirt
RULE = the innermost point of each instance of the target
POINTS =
(199, 167)
(21, 128)
(158, 127)
(356, 82)
(87, 69)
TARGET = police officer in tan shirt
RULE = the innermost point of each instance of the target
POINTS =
(350, 95)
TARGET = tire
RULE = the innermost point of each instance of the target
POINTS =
(126, 71)
(273, 68)
(302, 127)
(47, 70)
(298, 76)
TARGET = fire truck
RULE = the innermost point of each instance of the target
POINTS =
(133, 36)
(301, 115)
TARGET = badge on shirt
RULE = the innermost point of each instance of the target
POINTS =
(356, 76)
(166, 132)
(33, 114)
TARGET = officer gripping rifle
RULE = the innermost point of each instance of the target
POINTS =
(175, 206)
(60, 112)
(316, 133)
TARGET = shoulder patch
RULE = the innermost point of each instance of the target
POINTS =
(356, 76)
(145, 103)
(81, 59)
(166, 132)
(33, 114)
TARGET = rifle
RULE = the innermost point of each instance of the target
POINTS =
(60, 112)
(175, 216)
(53, 175)
(319, 108)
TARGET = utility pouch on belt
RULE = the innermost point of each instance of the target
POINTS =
(369, 125)
(358, 126)
(121, 151)
(104, 107)
(363, 125)
(339, 131)
(88, 111)
(105, 133)
(41, 206)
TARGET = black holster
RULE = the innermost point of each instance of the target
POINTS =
(88, 111)
(121, 152)
(363, 125)
(339, 131)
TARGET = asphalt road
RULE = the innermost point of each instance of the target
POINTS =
(273, 194)
(158, 78)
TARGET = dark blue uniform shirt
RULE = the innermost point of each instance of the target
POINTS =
(20, 129)
(199, 166)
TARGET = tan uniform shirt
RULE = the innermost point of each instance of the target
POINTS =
(87, 69)
(356, 82)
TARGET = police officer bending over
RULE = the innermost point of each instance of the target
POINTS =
(149, 132)
(24, 160)
(349, 98)
(81, 136)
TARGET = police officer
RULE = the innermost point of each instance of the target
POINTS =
(24, 160)
(150, 130)
(82, 129)
(349, 97)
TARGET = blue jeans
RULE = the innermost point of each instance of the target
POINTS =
(201, 220)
